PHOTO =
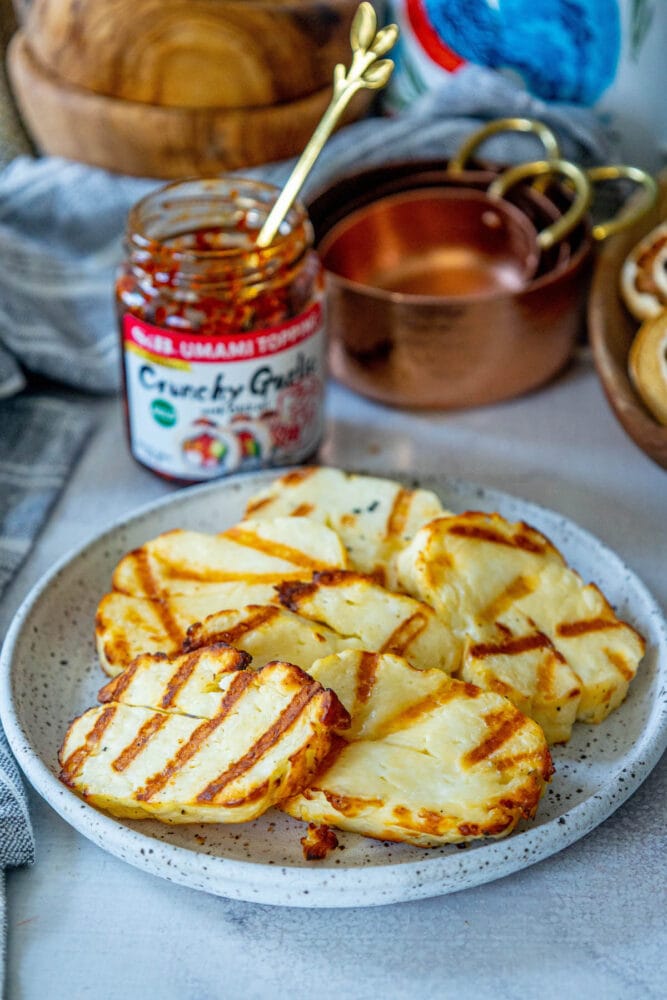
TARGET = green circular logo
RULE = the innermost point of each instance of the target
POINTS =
(163, 412)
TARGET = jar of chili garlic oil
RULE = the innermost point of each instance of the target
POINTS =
(223, 343)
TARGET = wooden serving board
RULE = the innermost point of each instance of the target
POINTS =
(193, 53)
(611, 330)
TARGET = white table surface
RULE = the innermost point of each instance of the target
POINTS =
(588, 922)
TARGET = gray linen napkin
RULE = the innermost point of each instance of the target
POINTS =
(61, 229)
(40, 437)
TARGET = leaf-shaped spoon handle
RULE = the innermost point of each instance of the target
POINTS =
(368, 71)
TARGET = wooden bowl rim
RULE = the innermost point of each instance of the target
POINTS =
(19, 48)
(606, 311)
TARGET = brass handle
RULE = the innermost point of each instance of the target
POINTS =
(532, 125)
(554, 233)
(367, 71)
(625, 217)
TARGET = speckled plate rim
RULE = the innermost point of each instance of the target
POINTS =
(315, 886)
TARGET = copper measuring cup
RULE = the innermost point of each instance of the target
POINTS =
(451, 242)
(350, 192)
(446, 352)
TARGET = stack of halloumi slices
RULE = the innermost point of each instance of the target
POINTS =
(353, 654)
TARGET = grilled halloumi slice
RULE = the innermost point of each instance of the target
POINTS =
(603, 651)
(268, 633)
(262, 737)
(356, 605)
(126, 626)
(184, 683)
(518, 661)
(253, 552)
(475, 569)
(430, 760)
(374, 517)
(474, 566)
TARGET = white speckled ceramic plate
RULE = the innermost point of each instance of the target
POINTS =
(50, 674)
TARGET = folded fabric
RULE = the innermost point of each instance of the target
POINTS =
(40, 439)
(62, 223)
(16, 842)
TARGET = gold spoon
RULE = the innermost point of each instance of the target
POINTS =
(367, 72)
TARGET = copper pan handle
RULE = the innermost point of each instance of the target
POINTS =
(625, 217)
(554, 233)
(528, 125)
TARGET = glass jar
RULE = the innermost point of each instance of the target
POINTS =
(223, 343)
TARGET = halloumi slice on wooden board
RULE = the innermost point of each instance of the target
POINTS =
(253, 552)
(269, 633)
(126, 626)
(428, 760)
(262, 736)
(374, 517)
(354, 604)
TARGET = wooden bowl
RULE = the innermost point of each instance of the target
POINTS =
(611, 331)
(193, 53)
(147, 140)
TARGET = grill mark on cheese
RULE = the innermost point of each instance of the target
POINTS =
(366, 676)
(116, 688)
(117, 651)
(254, 505)
(72, 766)
(546, 678)
(169, 622)
(270, 547)
(254, 795)
(584, 626)
(503, 726)
(514, 591)
(540, 759)
(198, 737)
(298, 476)
(142, 568)
(407, 632)
(514, 646)
(179, 679)
(267, 740)
(291, 593)
(398, 516)
(289, 480)
(260, 616)
(140, 741)
(303, 510)
(519, 540)
(449, 691)
(618, 660)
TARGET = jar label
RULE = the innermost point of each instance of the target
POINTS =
(204, 406)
